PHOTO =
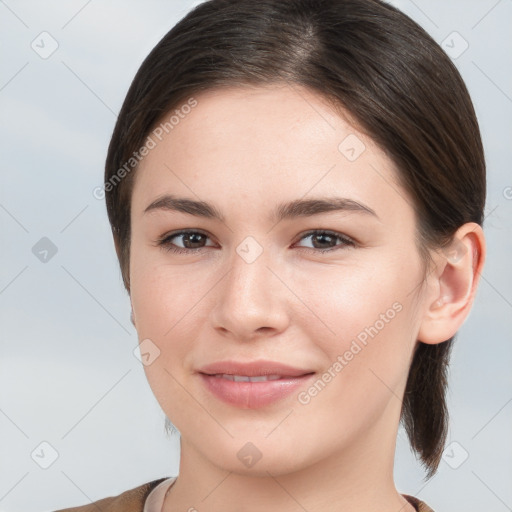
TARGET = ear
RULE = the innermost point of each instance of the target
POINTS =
(117, 245)
(454, 282)
(132, 314)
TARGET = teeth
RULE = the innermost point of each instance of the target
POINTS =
(245, 378)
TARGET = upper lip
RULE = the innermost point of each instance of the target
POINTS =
(253, 369)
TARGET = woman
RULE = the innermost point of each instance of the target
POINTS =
(296, 193)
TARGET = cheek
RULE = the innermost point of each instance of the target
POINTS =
(346, 299)
(163, 299)
(161, 293)
(366, 315)
(366, 367)
(170, 304)
(360, 311)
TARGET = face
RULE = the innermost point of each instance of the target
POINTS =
(304, 257)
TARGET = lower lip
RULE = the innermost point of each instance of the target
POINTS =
(252, 395)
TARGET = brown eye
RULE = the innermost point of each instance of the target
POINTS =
(191, 241)
(194, 241)
(324, 241)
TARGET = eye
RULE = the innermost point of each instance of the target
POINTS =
(195, 241)
(192, 241)
(327, 240)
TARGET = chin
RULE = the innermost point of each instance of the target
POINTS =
(278, 464)
(256, 456)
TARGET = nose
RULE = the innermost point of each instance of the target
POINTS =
(251, 300)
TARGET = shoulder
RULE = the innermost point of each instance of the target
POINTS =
(129, 501)
(418, 504)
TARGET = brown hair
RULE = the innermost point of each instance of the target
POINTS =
(375, 63)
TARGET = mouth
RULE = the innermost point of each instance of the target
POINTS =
(252, 385)
(246, 378)
(258, 368)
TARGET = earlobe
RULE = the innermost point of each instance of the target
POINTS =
(455, 283)
(117, 246)
(132, 316)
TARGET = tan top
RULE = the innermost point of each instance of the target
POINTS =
(150, 497)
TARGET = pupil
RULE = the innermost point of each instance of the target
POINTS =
(323, 236)
(190, 238)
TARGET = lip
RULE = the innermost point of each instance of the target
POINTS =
(253, 395)
(253, 368)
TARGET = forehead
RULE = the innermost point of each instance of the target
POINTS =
(273, 142)
(277, 118)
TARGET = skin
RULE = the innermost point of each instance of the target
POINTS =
(245, 150)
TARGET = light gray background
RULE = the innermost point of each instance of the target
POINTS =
(68, 375)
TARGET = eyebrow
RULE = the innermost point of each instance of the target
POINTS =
(289, 210)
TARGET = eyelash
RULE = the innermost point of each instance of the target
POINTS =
(165, 241)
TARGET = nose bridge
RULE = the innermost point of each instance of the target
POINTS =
(252, 297)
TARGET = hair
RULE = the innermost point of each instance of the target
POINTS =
(370, 61)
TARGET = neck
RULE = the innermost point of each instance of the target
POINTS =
(357, 478)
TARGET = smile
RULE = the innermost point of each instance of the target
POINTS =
(245, 378)
(253, 392)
